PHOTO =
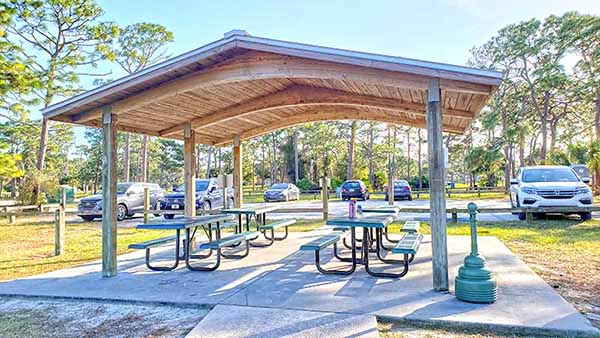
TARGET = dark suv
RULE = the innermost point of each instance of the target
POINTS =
(130, 199)
(355, 189)
(402, 190)
(208, 196)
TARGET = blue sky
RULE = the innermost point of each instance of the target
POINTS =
(435, 30)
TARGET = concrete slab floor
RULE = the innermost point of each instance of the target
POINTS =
(280, 277)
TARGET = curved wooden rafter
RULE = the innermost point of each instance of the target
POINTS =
(330, 113)
(279, 67)
(302, 96)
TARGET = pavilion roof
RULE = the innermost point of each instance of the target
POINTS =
(248, 86)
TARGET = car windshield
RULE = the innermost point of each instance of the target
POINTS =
(200, 186)
(279, 186)
(122, 187)
(549, 175)
(351, 185)
(400, 184)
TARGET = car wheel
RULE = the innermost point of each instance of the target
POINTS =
(410, 197)
(522, 216)
(168, 216)
(206, 206)
(87, 218)
(585, 216)
(121, 212)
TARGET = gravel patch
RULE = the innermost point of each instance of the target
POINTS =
(69, 319)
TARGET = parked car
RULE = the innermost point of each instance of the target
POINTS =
(130, 199)
(402, 190)
(208, 196)
(550, 186)
(282, 192)
(354, 189)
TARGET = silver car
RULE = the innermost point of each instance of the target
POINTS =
(130, 199)
(282, 192)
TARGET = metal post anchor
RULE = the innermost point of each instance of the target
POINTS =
(474, 282)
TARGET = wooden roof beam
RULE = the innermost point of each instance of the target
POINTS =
(264, 68)
(300, 96)
(329, 114)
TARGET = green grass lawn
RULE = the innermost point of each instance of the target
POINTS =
(28, 248)
(561, 251)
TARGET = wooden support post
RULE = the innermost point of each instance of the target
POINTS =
(528, 217)
(146, 205)
(109, 192)
(454, 215)
(12, 218)
(325, 197)
(189, 164)
(437, 186)
(237, 172)
(59, 225)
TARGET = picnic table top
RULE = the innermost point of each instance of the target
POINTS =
(382, 210)
(183, 222)
(259, 209)
(361, 221)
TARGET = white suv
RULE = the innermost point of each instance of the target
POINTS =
(550, 186)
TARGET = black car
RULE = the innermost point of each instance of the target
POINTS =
(130, 199)
(354, 189)
(402, 191)
(208, 196)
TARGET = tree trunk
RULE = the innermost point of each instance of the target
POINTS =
(544, 127)
(370, 154)
(49, 95)
(408, 154)
(274, 159)
(296, 178)
(420, 164)
(208, 156)
(198, 162)
(126, 159)
(144, 170)
(351, 141)
(522, 133)
(218, 159)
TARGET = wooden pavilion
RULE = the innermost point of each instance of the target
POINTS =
(243, 86)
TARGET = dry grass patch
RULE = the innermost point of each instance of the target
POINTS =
(66, 319)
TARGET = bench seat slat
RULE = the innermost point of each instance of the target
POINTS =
(152, 243)
(411, 226)
(229, 240)
(278, 224)
(320, 243)
(409, 244)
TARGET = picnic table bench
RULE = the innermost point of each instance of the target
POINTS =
(407, 246)
(212, 226)
(187, 224)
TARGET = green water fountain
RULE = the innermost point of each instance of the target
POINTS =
(475, 283)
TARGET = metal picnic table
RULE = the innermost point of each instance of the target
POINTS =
(258, 212)
(190, 225)
(368, 224)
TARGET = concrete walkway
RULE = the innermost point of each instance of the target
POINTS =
(228, 321)
(281, 278)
